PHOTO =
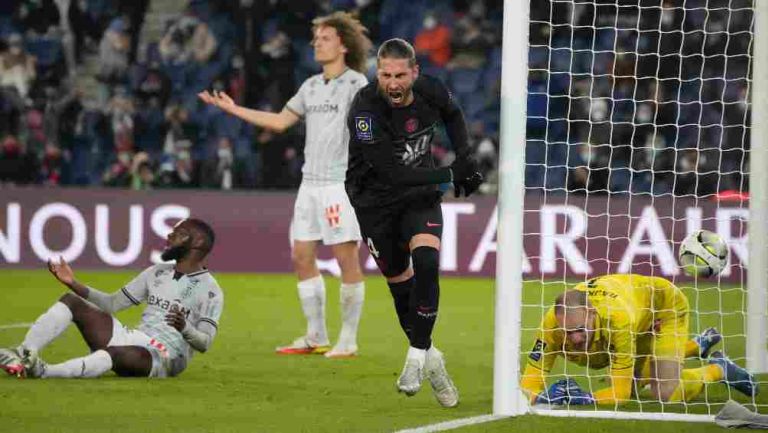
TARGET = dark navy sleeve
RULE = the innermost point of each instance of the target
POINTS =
(450, 112)
(370, 138)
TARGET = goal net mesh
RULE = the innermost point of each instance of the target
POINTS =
(637, 135)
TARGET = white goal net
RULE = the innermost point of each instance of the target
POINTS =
(637, 134)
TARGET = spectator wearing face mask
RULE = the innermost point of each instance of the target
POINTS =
(220, 172)
(113, 52)
(17, 68)
(118, 174)
(434, 41)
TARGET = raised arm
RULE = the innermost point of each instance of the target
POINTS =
(130, 295)
(277, 122)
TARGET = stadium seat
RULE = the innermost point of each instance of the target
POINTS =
(535, 152)
(619, 180)
(641, 183)
(7, 26)
(534, 176)
(473, 105)
(465, 80)
(557, 153)
(556, 178)
(48, 50)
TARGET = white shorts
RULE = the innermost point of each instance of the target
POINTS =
(324, 213)
(124, 336)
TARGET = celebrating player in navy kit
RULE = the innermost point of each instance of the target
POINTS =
(395, 190)
(184, 304)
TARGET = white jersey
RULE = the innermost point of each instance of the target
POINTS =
(323, 104)
(198, 295)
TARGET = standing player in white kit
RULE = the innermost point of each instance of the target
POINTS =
(322, 210)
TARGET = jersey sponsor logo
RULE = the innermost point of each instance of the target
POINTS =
(538, 349)
(415, 149)
(168, 305)
(363, 129)
(322, 108)
(411, 125)
(602, 293)
(333, 215)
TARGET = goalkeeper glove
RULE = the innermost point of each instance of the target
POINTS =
(556, 394)
(565, 391)
(577, 396)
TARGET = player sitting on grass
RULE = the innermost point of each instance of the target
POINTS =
(184, 304)
(638, 327)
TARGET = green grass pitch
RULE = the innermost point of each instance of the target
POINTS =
(240, 385)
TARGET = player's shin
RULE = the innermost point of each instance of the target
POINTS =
(401, 295)
(352, 296)
(93, 365)
(48, 327)
(692, 382)
(312, 296)
(426, 294)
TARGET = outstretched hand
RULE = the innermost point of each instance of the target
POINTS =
(219, 99)
(61, 271)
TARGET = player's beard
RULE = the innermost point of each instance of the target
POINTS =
(174, 253)
(396, 98)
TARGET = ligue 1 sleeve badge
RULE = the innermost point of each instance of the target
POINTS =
(363, 130)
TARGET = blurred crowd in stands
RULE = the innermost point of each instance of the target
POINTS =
(644, 99)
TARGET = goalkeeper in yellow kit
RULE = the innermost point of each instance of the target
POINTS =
(637, 326)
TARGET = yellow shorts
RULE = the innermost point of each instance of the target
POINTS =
(669, 330)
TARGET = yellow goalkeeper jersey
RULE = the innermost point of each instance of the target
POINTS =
(629, 307)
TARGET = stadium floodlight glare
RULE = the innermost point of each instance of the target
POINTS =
(629, 122)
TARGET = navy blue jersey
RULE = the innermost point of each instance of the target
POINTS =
(390, 147)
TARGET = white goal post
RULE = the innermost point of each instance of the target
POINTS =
(512, 262)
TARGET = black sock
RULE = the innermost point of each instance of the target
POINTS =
(426, 295)
(401, 294)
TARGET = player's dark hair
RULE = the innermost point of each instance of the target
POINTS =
(205, 231)
(397, 49)
(353, 36)
(570, 299)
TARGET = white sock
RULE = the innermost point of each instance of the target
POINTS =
(312, 296)
(432, 351)
(47, 327)
(420, 355)
(93, 365)
(351, 296)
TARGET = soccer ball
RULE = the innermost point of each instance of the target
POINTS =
(703, 254)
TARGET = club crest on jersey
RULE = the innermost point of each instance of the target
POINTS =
(538, 349)
(363, 130)
(411, 125)
(333, 215)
